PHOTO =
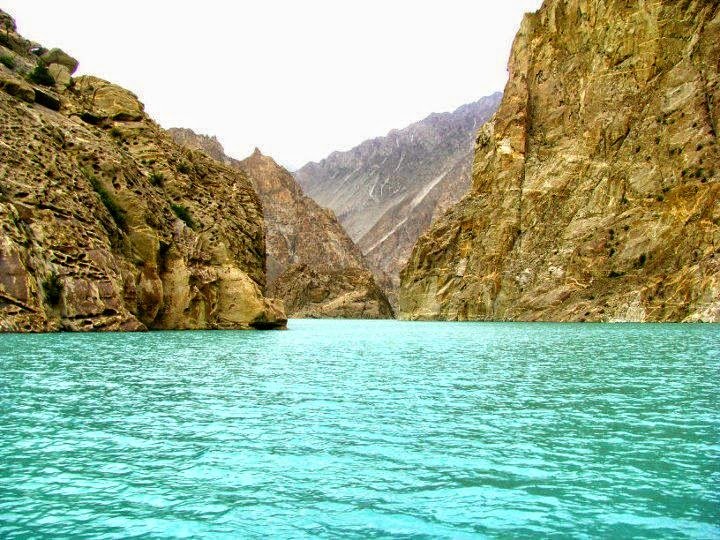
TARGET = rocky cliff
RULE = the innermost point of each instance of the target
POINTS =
(387, 190)
(105, 222)
(312, 265)
(596, 186)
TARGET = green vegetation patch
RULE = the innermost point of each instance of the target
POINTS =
(183, 213)
(116, 212)
(183, 167)
(157, 179)
(41, 75)
(7, 61)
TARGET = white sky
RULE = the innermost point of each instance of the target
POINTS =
(299, 79)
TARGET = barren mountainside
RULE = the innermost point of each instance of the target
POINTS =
(596, 186)
(312, 265)
(387, 190)
(105, 222)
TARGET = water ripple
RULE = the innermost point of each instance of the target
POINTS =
(360, 429)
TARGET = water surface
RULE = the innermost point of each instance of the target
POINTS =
(357, 429)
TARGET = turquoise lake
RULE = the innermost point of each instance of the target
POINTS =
(363, 429)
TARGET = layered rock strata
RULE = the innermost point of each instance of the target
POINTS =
(312, 264)
(596, 187)
(105, 222)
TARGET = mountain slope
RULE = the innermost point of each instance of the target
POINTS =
(312, 264)
(387, 190)
(105, 222)
(595, 187)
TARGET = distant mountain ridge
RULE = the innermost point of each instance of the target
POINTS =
(387, 190)
(312, 264)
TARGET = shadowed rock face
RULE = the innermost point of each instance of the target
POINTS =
(387, 191)
(350, 293)
(595, 188)
(107, 224)
(312, 265)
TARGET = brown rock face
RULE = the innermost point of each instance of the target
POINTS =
(205, 143)
(107, 224)
(596, 186)
(387, 191)
(312, 265)
(350, 293)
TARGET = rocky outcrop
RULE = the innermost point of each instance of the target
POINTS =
(205, 143)
(349, 293)
(596, 186)
(387, 191)
(312, 265)
(107, 224)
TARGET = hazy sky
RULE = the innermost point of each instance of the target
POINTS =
(299, 79)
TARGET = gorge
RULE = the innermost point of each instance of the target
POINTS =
(437, 375)
(312, 265)
(388, 190)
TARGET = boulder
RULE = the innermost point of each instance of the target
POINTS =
(61, 74)
(58, 56)
(102, 100)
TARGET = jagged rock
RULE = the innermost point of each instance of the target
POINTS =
(210, 145)
(387, 191)
(9, 38)
(116, 227)
(301, 234)
(596, 186)
(305, 244)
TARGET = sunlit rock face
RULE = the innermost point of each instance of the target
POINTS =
(106, 223)
(596, 185)
(312, 265)
(387, 190)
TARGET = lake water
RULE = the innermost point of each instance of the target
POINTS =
(357, 429)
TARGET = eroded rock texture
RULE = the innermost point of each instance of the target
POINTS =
(387, 190)
(312, 265)
(106, 223)
(596, 186)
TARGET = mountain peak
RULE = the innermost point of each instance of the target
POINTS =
(387, 190)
